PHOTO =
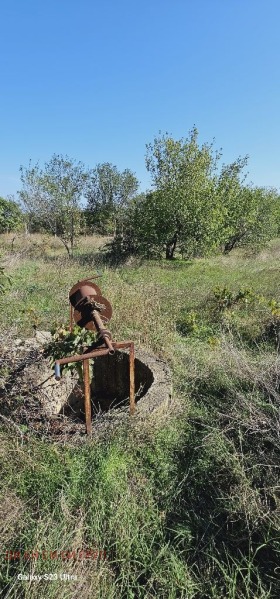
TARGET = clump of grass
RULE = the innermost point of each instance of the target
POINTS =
(103, 497)
(230, 499)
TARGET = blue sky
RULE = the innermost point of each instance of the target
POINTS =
(98, 80)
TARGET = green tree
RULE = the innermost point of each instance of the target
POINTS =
(53, 196)
(249, 213)
(11, 217)
(277, 210)
(183, 209)
(196, 207)
(108, 192)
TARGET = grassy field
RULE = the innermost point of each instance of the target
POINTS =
(187, 507)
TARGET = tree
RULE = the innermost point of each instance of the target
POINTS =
(196, 207)
(183, 209)
(11, 217)
(249, 216)
(277, 210)
(53, 195)
(142, 232)
(108, 192)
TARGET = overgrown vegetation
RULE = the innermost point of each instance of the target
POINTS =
(186, 506)
(11, 217)
(197, 207)
(52, 196)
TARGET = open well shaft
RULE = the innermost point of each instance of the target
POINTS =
(94, 354)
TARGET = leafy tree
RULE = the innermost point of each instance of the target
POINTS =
(277, 210)
(108, 192)
(11, 217)
(139, 234)
(183, 209)
(195, 207)
(53, 195)
(249, 216)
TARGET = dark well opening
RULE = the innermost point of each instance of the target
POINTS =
(110, 385)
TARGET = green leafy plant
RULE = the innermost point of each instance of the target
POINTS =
(32, 314)
(253, 316)
(4, 280)
(65, 344)
(274, 306)
(11, 216)
(249, 315)
(272, 330)
(190, 324)
(224, 297)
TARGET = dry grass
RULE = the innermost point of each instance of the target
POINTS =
(12, 516)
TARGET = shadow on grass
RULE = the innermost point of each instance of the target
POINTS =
(207, 526)
(97, 258)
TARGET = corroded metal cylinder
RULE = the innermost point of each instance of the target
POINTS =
(81, 290)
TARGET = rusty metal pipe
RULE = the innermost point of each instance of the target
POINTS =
(121, 344)
(71, 318)
(80, 357)
(87, 396)
(131, 379)
(102, 332)
(93, 354)
(57, 372)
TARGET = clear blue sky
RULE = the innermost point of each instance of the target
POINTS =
(98, 80)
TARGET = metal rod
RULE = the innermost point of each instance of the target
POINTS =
(93, 354)
(57, 372)
(103, 332)
(81, 357)
(87, 396)
(71, 319)
(121, 344)
(131, 380)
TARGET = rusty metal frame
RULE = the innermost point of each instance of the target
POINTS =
(91, 310)
(103, 351)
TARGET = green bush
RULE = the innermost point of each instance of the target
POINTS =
(65, 344)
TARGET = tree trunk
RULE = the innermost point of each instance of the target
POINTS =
(65, 245)
(171, 247)
(232, 242)
(72, 234)
(230, 245)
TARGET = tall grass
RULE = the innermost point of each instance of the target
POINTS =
(183, 508)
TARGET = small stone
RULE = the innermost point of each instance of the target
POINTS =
(31, 343)
(43, 337)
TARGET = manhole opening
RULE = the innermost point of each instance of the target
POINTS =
(109, 387)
